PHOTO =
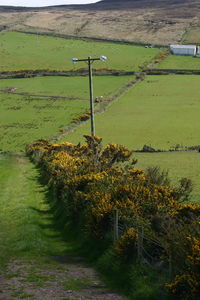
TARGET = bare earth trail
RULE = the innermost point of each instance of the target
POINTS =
(35, 263)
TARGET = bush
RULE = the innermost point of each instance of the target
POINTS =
(154, 226)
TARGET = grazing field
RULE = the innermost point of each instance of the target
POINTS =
(31, 51)
(27, 117)
(70, 87)
(180, 62)
(161, 111)
(178, 164)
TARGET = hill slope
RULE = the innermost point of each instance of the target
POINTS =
(147, 21)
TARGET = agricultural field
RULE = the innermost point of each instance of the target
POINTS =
(178, 164)
(161, 111)
(46, 105)
(180, 62)
(24, 119)
(31, 51)
(76, 87)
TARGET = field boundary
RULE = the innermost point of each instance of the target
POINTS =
(97, 72)
(172, 71)
(68, 73)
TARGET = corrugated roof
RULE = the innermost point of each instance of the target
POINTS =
(183, 46)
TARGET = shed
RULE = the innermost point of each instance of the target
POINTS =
(184, 49)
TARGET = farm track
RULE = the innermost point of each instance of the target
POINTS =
(39, 264)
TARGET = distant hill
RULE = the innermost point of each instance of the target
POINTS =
(142, 21)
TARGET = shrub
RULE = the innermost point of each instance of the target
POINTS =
(155, 226)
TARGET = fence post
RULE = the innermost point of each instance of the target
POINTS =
(140, 242)
(115, 227)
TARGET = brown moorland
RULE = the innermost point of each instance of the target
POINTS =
(146, 21)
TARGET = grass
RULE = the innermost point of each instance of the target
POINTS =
(192, 35)
(27, 51)
(180, 62)
(27, 118)
(74, 87)
(32, 239)
(161, 111)
(178, 164)
(38, 279)
(76, 284)
(25, 220)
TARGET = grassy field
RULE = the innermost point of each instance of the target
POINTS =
(26, 118)
(180, 62)
(70, 87)
(178, 164)
(27, 51)
(161, 111)
(192, 35)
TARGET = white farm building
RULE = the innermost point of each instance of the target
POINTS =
(184, 49)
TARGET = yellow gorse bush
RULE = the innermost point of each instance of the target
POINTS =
(126, 246)
(90, 185)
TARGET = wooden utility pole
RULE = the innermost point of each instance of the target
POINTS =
(90, 60)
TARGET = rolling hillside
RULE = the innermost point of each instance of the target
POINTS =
(145, 21)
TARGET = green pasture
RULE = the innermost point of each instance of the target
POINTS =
(76, 87)
(24, 118)
(178, 164)
(180, 62)
(161, 111)
(32, 51)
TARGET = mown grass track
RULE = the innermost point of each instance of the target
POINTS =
(37, 261)
(24, 215)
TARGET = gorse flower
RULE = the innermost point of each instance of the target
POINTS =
(89, 185)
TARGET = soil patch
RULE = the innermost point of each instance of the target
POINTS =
(66, 278)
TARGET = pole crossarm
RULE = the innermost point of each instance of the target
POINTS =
(87, 59)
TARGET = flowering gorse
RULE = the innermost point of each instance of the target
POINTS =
(89, 185)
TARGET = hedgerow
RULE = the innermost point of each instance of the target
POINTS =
(90, 182)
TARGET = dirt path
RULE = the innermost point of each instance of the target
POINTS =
(35, 262)
(64, 279)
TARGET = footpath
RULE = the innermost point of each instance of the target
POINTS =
(35, 262)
